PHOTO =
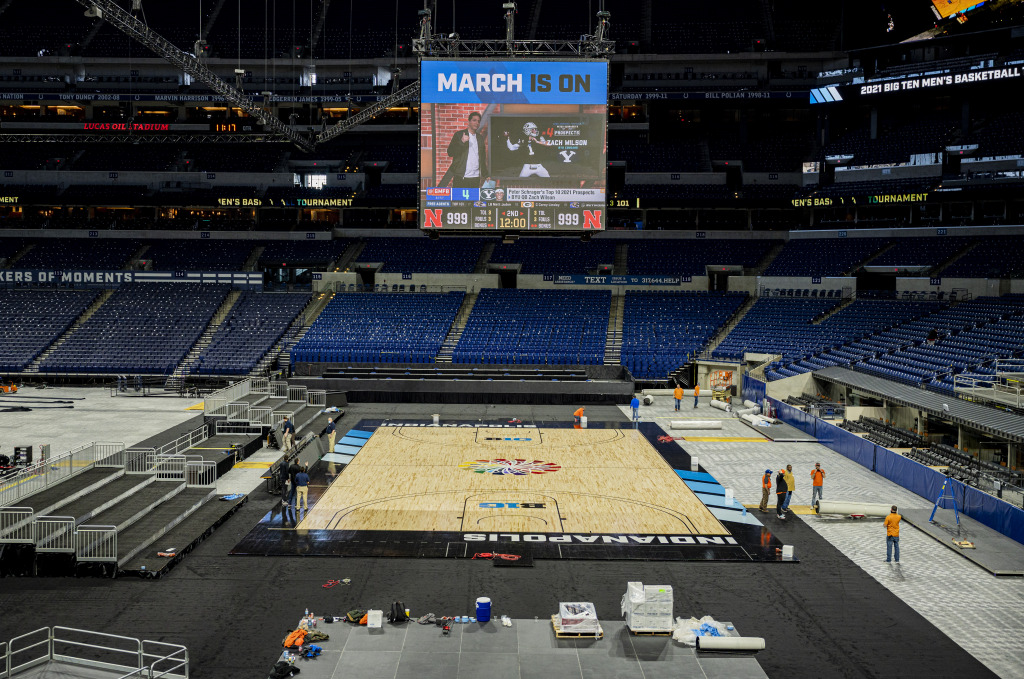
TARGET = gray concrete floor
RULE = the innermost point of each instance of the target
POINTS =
(97, 418)
(980, 612)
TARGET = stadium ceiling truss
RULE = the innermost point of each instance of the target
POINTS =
(428, 44)
(190, 64)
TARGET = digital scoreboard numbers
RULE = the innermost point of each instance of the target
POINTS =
(513, 145)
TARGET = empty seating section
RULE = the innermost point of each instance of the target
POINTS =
(823, 256)
(311, 253)
(776, 326)
(144, 328)
(662, 330)
(895, 141)
(921, 251)
(692, 257)
(256, 322)
(423, 255)
(552, 327)
(971, 335)
(563, 256)
(992, 257)
(380, 327)
(861, 318)
(78, 253)
(33, 319)
(198, 255)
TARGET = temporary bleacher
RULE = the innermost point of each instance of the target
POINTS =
(692, 257)
(822, 256)
(830, 340)
(144, 328)
(662, 330)
(379, 327)
(559, 256)
(423, 255)
(33, 319)
(198, 255)
(552, 327)
(255, 323)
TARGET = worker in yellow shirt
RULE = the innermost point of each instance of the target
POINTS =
(696, 393)
(892, 535)
(678, 394)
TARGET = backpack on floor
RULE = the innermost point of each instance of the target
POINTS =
(397, 612)
(355, 615)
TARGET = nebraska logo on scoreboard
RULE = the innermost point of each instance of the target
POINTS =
(523, 137)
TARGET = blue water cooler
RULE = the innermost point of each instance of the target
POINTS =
(483, 609)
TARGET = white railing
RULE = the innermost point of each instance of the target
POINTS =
(260, 385)
(297, 394)
(279, 390)
(97, 544)
(127, 656)
(37, 650)
(215, 403)
(316, 399)
(165, 663)
(261, 416)
(201, 474)
(16, 525)
(185, 441)
(45, 473)
(238, 412)
(1001, 388)
(55, 534)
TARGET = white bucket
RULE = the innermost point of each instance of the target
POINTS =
(583, 421)
(437, 419)
(787, 551)
(728, 496)
(694, 465)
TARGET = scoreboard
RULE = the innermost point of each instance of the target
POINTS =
(477, 209)
(513, 145)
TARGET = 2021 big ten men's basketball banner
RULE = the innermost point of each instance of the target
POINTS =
(513, 145)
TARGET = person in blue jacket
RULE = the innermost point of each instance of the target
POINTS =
(635, 405)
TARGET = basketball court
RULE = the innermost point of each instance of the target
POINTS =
(549, 490)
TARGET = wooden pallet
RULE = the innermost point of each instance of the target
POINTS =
(559, 634)
(650, 633)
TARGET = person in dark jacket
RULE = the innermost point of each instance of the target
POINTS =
(293, 470)
(285, 479)
(302, 486)
(781, 492)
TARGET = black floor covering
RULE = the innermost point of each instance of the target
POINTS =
(822, 617)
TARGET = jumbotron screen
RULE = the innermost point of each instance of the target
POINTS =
(513, 145)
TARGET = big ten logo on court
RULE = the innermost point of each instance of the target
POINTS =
(512, 505)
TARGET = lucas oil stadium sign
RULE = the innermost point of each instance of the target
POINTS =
(616, 280)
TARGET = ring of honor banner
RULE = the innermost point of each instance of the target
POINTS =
(518, 145)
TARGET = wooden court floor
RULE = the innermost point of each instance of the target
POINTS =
(525, 480)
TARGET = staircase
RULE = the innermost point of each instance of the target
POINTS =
(281, 351)
(944, 265)
(613, 340)
(254, 258)
(136, 256)
(33, 367)
(485, 256)
(733, 321)
(183, 368)
(455, 332)
(350, 254)
(619, 268)
(834, 310)
(18, 255)
(768, 259)
(870, 257)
